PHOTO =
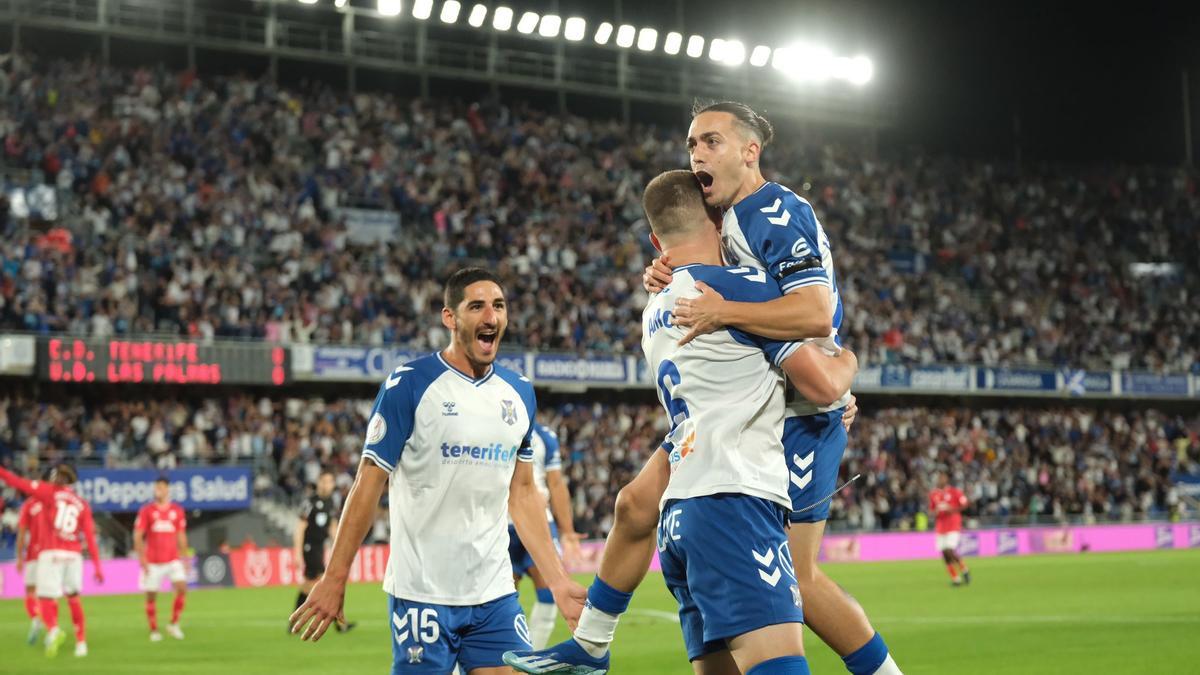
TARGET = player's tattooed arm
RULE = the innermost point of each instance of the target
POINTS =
(805, 313)
(326, 601)
(528, 511)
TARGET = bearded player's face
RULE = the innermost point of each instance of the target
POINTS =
(479, 321)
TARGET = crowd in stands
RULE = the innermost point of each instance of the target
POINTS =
(1045, 464)
(214, 206)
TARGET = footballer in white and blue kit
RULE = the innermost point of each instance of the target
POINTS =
(450, 433)
(776, 230)
(546, 458)
(722, 539)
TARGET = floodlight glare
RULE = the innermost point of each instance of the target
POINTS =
(528, 22)
(672, 43)
(502, 18)
(603, 33)
(478, 14)
(340, 3)
(647, 39)
(308, 2)
(422, 9)
(549, 26)
(861, 70)
(716, 49)
(575, 29)
(760, 56)
(450, 10)
(625, 35)
(695, 48)
(735, 53)
(388, 7)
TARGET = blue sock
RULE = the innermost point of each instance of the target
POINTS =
(607, 599)
(784, 665)
(866, 659)
(544, 595)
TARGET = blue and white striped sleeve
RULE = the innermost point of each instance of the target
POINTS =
(788, 243)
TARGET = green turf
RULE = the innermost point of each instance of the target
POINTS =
(1091, 613)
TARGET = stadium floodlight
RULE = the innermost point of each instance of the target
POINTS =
(716, 49)
(575, 29)
(478, 14)
(805, 62)
(625, 35)
(528, 22)
(502, 18)
(603, 33)
(861, 70)
(672, 43)
(422, 9)
(549, 25)
(735, 53)
(308, 2)
(647, 39)
(695, 48)
(340, 3)
(760, 56)
(450, 10)
(388, 7)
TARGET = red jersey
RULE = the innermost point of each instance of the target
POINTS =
(30, 519)
(66, 517)
(161, 525)
(949, 519)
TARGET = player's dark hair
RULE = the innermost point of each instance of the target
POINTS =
(163, 479)
(67, 472)
(674, 203)
(456, 285)
(746, 117)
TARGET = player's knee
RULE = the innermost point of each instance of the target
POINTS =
(634, 510)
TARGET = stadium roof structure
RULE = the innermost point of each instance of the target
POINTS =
(490, 43)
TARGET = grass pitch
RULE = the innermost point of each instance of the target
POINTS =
(1088, 613)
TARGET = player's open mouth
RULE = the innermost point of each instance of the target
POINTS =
(486, 339)
(706, 181)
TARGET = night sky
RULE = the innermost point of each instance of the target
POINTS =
(1086, 82)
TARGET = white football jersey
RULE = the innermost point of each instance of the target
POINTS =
(776, 230)
(722, 392)
(451, 444)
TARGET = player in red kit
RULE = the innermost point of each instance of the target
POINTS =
(66, 521)
(29, 527)
(947, 504)
(159, 536)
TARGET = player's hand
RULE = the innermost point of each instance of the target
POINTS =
(298, 561)
(142, 564)
(21, 564)
(570, 597)
(324, 606)
(701, 314)
(572, 555)
(850, 413)
(99, 576)
(657, 275)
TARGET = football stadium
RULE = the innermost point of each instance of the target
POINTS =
(553, 336)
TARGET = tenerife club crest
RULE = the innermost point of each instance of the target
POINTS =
(508, 412)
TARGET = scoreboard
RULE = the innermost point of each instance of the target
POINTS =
(69, 359)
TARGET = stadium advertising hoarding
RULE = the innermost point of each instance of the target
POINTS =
(883, 546)
(63, 359)
(372, 364)
(276, 566)
(226, 488)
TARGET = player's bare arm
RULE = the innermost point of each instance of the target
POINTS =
(183, 549)
(139, 547)
(324, 605)
(805, 313)
(819, 377)
(21, 547)
(560, 508)
(528, 512)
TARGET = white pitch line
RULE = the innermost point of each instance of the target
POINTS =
(656, 614)
(1064, 618)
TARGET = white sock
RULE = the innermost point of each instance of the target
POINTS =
(541, 623)
(595, 630)
(888, 667)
